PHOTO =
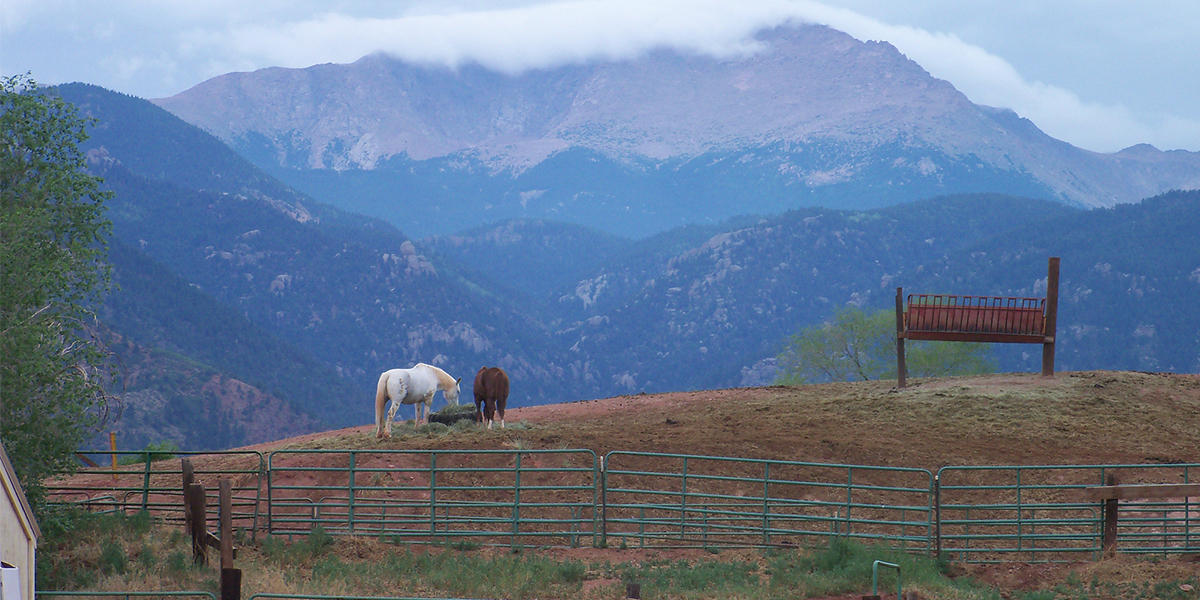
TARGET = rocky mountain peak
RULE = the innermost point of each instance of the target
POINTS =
(864, 113)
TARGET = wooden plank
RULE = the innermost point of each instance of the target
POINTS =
(1141, 492)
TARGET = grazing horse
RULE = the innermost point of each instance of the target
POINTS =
(411, 386)
(491, 394)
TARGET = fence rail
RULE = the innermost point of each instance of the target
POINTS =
(151, 482)
(688, 500)
(569, 498)
(125, 595)
(993, 513)
(427, 496)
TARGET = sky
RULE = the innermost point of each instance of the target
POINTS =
(1100, 74)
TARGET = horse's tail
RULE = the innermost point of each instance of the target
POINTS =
(381, 398)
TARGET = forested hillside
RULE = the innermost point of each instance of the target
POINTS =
(227, 275)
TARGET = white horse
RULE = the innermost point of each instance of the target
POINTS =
(411, 386)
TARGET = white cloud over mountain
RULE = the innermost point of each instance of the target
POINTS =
(156, 49)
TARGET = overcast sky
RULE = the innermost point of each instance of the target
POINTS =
(1100, 74)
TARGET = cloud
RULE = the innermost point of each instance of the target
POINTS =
(512, 40)
(990, 80)
(157, 47)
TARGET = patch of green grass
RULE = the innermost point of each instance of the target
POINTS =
(309, 548)
(112, 558)
(78, 548)
(706, 579)
(845, 567)
(125, 552)
(1073, 589)
(153, 452)
(464, 545)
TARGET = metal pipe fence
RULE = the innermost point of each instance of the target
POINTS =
(125, 595)
(152, 482)
(544, 497)
(315, 597)
(1039, 514)
(569, 498)
(686, 500)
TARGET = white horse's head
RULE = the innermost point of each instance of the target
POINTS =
(452, 392)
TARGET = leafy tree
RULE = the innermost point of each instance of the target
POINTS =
(857, 346)
(52, 267)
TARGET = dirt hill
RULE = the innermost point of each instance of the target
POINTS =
(1098, 417)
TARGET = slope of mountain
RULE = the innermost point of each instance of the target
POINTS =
(698, 318)
(349, 292)
(636, 147)
(530, 257)
(198, 374)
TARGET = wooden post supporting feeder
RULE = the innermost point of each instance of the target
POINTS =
(995, 319)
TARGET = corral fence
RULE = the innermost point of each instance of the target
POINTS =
(541, 497)
(1042, 513)
(146, 481)
(125, 595)
(571, 498)
(312, 597)
(668, 499)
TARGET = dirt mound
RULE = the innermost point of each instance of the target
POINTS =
(1097, 417)
(1008, 419)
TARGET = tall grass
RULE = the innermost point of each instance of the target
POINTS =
(81, 551)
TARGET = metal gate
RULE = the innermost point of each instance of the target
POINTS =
(545, 497)
(685, 500)
(1040, 513)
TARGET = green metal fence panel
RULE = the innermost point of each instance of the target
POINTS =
(565, 498)
(126, 595)
(310, 597)
(1039, 513)
(540, 497)
(153, 482)
(685, 500)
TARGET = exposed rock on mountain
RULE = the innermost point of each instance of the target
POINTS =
(814, 117)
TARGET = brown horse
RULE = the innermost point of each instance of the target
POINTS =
(491, 394)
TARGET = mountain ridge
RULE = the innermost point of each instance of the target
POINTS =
(345, 296)
(816, 107)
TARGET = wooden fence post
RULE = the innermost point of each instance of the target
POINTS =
(901, 366)
(197, 501)
(1051, 322)
(1110, 519)
(231, 578)
(231, 584)
(226, 524)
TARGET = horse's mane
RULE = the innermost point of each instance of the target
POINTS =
(442, 376)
